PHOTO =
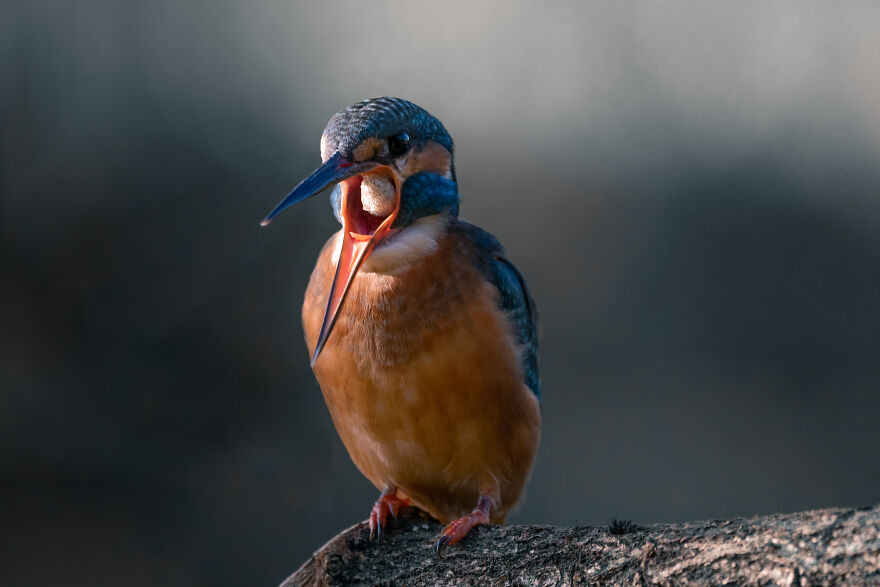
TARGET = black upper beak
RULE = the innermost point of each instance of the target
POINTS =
(334, 170)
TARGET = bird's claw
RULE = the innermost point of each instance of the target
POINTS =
(388, 503)
(458, 529)
(441, 544)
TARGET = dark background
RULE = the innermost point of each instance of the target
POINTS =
(691, 190)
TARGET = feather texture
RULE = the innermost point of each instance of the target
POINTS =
(425, 376)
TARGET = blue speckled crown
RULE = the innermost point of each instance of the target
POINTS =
(381, 117)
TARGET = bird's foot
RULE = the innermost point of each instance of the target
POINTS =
(458, 529)
(388, 503)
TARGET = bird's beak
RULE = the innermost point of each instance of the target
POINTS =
(334, 170)
(361, 230)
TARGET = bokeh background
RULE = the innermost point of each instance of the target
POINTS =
(691, 188)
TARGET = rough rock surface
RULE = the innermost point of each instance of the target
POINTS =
(822, 547)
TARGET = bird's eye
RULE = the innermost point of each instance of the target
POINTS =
(399, 143)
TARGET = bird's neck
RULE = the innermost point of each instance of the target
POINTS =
(408, 246)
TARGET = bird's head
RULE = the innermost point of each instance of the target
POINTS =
(391, 163)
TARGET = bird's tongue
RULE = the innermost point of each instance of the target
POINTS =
(360, 233)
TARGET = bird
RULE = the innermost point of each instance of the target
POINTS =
(422, 334)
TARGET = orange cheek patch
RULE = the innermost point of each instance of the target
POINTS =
(366, 150)
(431, 157)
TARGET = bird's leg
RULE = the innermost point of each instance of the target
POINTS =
(388, 503)
(458, 529)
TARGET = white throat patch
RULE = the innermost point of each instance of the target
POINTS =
(410, 245)
(397, 253)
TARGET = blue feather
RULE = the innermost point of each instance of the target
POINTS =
(426, 194)
(515, 299)
(520, 306)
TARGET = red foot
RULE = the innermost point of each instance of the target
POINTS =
(388, 503)
(458, 529)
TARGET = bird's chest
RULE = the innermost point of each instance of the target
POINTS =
(396, 349)
(410, 366)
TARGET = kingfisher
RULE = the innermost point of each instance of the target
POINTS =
(422, 334)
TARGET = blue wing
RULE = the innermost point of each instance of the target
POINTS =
(520, 306)
(515, 300)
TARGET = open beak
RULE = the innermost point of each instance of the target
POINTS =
(334, 170)
(361, 230)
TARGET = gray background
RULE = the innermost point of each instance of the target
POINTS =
(691, 190)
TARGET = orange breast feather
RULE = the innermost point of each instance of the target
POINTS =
(424, 382)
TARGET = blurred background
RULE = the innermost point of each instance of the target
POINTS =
(692, 190)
